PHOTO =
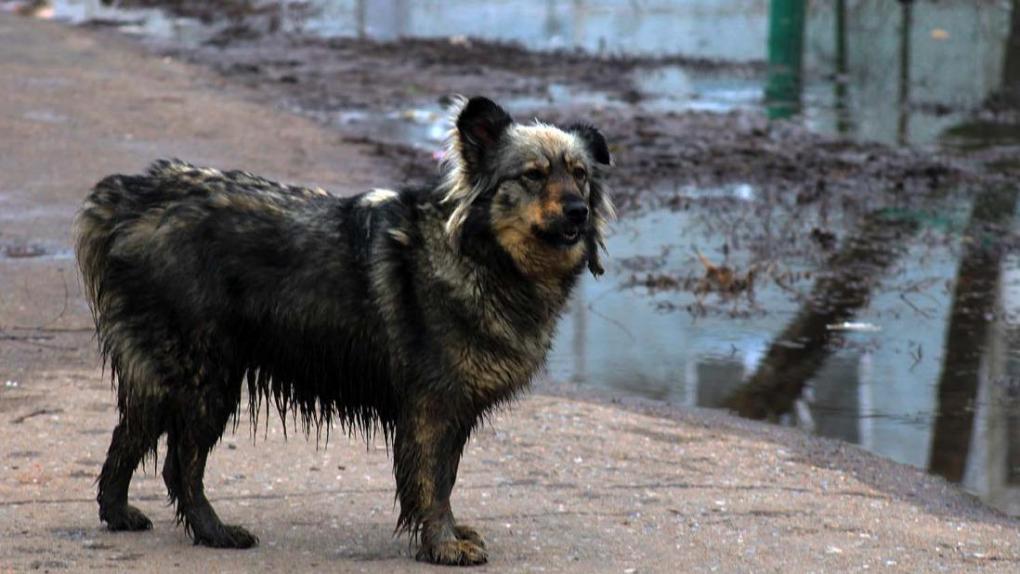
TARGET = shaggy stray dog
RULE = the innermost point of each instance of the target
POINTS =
(413, 313)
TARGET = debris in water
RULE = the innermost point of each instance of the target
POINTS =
(724, 280)
(854, 326)
(23, 251)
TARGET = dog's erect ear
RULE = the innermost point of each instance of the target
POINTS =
(479, 125)
(594, 141)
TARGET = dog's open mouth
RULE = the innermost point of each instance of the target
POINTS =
(560, 236)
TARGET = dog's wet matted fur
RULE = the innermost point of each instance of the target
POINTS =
(413, 313)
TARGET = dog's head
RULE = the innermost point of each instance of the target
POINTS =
(538, 189)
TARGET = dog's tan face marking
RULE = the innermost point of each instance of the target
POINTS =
(543, 187)
(545, 168)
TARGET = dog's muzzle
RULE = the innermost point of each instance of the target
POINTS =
(575, 214)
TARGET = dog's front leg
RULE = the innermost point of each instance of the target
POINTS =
(427, 447)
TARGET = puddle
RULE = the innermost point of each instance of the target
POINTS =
(877, 383)
(149, 22)
(863, 91)
(45, 117)
(423, 128)
(727, 29)
(33, 251)
(674, 88)
(979, 134)
(857, 82)
(875, 71)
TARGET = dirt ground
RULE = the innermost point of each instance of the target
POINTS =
(556, 484)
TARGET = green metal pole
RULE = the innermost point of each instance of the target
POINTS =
(786, 50)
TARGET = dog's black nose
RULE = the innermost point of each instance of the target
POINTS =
(576, 212)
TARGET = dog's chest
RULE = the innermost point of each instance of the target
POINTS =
(503, 346)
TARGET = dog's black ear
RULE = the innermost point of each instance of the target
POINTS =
(594, 261)
(480, 124)
(594, 141)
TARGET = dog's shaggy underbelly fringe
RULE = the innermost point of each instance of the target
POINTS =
(234, 306)
(330, 381)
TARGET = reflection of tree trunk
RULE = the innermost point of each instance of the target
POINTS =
(1011, 69)
(840, 85)
(1008, 94)
(974, 299)
(797, 354)
(903, 127)
(360, 17)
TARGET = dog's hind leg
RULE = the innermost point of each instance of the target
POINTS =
(199, 420)
(137, 434)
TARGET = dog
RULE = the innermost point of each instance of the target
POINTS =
(412, 313)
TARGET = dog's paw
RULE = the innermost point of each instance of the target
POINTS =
(454, 552)
(126, 518)
(228, 536)
(469, 534)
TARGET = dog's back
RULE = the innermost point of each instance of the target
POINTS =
(197, 273)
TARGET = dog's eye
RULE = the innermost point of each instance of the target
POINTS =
(580, 174)
(534, 174)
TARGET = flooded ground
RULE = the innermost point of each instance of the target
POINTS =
(880, 71)
(850, 270)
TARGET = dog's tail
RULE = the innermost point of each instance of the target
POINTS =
(112, 208)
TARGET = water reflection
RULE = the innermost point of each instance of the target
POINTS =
(912, 69)
(1004, 128)
(844, 287)
(906, 389)
(967, 343)
(896, 72)
(994, 466)
(1011, 67)
(383, 19)
(841, 95)
(906, 27)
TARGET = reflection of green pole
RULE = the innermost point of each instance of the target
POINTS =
(786, 49)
